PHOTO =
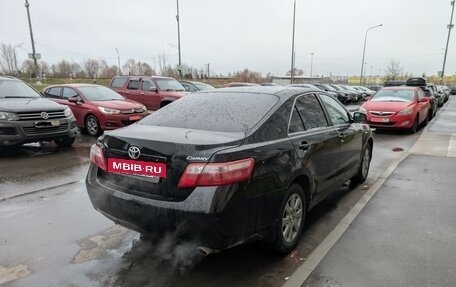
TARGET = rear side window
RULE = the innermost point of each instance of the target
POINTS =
(118, 82)
(307, 114)
(224, 112)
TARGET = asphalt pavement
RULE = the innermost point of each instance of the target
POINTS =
(404, 234)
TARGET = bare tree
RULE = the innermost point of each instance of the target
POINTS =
(8, 63)
(91, 67)
(247, 76)
(393, 70)
(76, 71)
(28, 67)
(63, 69)
(162, 61)
(297, 72)
(131, 67)
(127, 68)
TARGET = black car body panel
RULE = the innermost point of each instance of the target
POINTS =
(319, 159)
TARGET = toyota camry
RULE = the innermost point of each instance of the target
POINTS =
(230, 165)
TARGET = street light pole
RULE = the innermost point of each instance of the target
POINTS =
(448, 40)
(19, 45)
(364, 53)
(311, 63)
(179, 41)
(37, 70)
(118, 62)
(293, 45)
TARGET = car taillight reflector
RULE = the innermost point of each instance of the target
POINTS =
(220, 173)
(97, 157)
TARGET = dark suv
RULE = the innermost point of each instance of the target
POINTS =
(26, 116)
(152, 91)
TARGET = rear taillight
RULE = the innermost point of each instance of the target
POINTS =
(220, 173)
(97, 157)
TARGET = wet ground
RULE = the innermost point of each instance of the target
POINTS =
(51, 236)
(405, 235)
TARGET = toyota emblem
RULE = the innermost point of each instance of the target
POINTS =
(44, 115)
(134, 152)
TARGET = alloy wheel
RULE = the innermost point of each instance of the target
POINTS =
(92, 125)
(292, 218)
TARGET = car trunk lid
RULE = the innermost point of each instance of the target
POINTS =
(172, 148)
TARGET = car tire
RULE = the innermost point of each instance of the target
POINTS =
(65, 142)
(291, 218)
(363, 170)
(426, 121)
(416, 125)
(92, 125)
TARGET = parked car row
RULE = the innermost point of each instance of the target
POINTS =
(344, 93)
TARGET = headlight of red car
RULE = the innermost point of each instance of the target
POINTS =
(406, 112)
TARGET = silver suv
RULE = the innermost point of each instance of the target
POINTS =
(26, 116)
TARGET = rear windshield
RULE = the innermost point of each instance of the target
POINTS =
(394, 96)
(223, 112)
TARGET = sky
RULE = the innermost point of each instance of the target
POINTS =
(237, 34)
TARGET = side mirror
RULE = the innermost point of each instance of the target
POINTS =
(359, 117)
(367, 98)
(423, 100)
(76, 100)
(154, 89)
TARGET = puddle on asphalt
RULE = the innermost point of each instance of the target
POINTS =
(8, 274)
(97, 246)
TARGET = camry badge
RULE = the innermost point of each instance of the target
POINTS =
(134, 152)
(44, 115)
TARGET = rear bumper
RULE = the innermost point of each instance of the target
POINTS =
(195, 217)
(20, 132)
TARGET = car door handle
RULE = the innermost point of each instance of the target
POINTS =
(342, 137)
(303, 145)
(142, 94)
(127, 93)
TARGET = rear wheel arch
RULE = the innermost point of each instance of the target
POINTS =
(305, 183)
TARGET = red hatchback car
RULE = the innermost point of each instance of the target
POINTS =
(96, 108)
(404, 108)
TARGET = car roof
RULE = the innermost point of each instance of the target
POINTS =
(142, 76)
(9, 78)
(192, 82)
(400, 88)
(282, 92)
(74, 85)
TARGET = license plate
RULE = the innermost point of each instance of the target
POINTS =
(135, 167)
(134, 118)
(47, 124)
(380, 120)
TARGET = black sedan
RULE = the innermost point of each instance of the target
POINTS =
(230, 165)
